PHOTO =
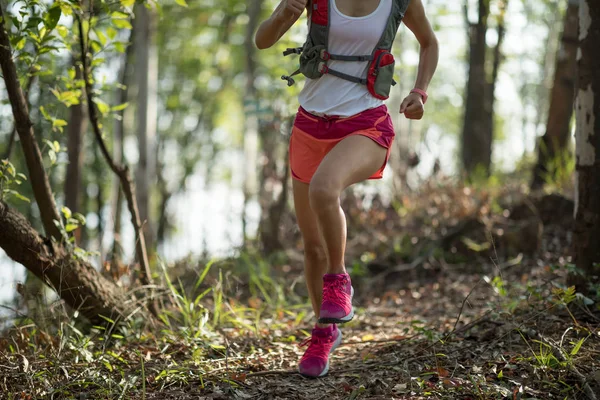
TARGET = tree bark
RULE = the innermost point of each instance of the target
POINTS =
(146, 70)
(76, 128)
(586, 235)
(75, 281)
(553, 145)
(477, 137)
(33, 157)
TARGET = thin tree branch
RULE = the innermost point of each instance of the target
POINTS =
(122, 171)
(497, 50)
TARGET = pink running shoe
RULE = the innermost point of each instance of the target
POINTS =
(315, 361)
(336, 307)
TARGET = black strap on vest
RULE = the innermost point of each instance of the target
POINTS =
(328, 56)
(339, 57)
(289, 79)
(292, 50)
(347, 77)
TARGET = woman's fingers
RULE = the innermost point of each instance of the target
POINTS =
(414, 110)
(404, 104)
(296, 6)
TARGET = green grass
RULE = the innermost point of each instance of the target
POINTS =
(186, 347)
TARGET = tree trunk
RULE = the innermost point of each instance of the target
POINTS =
(99, 173)
(33, 157)
(75, 281)
(553, 145)
(76, 128)
(272, 205)
(586, 235)
(250, 137)
(146, 70)
(477, 138)
(490, 94)
(165, 197)
(122, 95)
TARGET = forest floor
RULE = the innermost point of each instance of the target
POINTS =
(440, 314)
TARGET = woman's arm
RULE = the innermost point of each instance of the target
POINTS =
(282, 19)
(416, 20)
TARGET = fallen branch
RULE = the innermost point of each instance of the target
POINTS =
(480, 320)
(74, 280)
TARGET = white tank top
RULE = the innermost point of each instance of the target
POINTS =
(330, 95)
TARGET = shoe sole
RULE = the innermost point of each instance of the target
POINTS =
(336, 344)
(342, 320)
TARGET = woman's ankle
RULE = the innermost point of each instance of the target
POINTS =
(339, 270)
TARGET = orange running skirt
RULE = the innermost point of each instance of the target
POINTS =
(313, 137)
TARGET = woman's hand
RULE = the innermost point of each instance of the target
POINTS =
(293, 9)
(280, 21)
(412, 106)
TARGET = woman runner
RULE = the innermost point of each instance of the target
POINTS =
(342, 135)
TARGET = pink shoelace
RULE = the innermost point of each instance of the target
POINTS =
(334, 291)
(317, 346)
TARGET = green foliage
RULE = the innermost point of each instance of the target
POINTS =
(10, 177)
(191, 316)
(560, 169)
(73, 221)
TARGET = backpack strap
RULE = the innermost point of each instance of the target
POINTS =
(324, 69)
(340, 57)
(292, 50)
(391, 27)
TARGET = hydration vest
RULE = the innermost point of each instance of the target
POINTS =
(314, 55)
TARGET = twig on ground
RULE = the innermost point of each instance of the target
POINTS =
(273, 372)
(391, 340)
(480, 320)
(462, 306)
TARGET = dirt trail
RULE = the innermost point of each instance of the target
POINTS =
(407, 344)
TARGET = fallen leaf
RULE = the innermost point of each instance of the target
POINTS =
(347, 387)
(400, 388)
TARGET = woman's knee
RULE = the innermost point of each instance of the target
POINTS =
(323, 194)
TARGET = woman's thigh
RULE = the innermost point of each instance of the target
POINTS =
(354, 159)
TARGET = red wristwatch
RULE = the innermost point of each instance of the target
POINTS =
(422, 93)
